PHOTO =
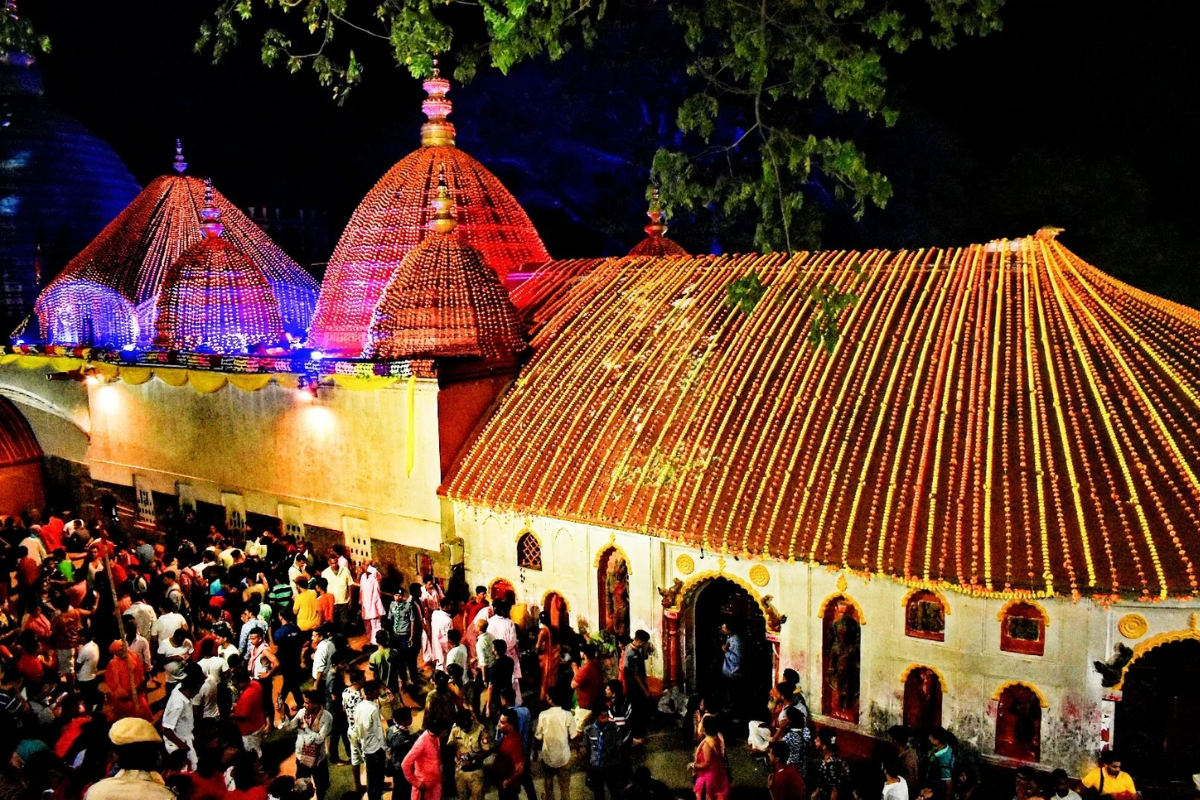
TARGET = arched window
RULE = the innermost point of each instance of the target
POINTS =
(1023, 629)
(1019, 723)
(922, 699)
(925, 616)
(529, 551)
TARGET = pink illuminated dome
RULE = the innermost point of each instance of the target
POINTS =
(393, 219)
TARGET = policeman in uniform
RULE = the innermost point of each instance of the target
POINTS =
(138, 748)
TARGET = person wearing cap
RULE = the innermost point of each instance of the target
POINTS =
(138, 749)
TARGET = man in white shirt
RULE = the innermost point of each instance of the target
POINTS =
(556, 727)
(368, 729)
(143, 615)
(338, 580)
(178, 722)
(298, 569)
(225, 645)
(33, 545)
(501, 627)
(322, 666)
(87, 664)
(894, 786)
(165, 626)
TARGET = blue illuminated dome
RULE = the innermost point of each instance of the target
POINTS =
(59, 186)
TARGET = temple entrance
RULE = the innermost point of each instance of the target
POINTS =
(714, 603)
(922, 700)
(1155, 725)
(841, 659)
(612, 578)
(556, 607)
(1019, 723)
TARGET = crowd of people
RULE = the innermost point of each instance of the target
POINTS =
(195, 662)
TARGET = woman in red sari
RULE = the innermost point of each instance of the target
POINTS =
(124, 674)
(549, 654)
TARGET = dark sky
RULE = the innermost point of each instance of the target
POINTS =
(1077, 114)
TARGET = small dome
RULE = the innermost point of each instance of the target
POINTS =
(656, 243)
(215, 298)
(392, 220)
(444, 301)
(133, 254)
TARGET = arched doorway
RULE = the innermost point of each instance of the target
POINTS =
(715, 603)
(922, 699)
(555, 605)
(1155, 725)
(20, 463)
(841, 659)
(1019, 723)
(501, 589)
(612, 583)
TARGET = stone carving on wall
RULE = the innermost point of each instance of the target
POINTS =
(670, 596)
(1111, 672)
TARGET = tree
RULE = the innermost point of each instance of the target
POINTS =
(761, 72)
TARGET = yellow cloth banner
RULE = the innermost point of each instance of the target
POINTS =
(171, 377)
(9, 358)
(287, 380)
(109, 371)
(136, 375)
(33, 362)
(66, 363)
(363, 384)
(250, 383)
(411, 434)
(206, 382)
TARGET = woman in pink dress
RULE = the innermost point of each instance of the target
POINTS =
(712, 776)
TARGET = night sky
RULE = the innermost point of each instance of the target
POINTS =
(1077, 114)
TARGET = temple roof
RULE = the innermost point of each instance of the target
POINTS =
(214, 297)
(132, 254)
(443, 301)
(995, 419)
(393, 219)
(18, 445)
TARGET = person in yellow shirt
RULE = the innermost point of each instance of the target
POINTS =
(307, 607)
(1107, 780)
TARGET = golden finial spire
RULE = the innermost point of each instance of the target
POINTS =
(210, 215)
(657, 226)
(443, 206)
(180, 164)
(438, 131)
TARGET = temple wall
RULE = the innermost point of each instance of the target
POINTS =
(57, 411)
(338, 458)
(970, 660)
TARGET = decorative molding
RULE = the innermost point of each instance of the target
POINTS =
(1041, 697)
(842, 583)
(687, 592)
(759, 575)
(862, 618)
(612, 545)
(549, 592)
(1192, 633)
(1133, 626)
(684, 564)
(526, 529)
(941, 678)
(1024, 601)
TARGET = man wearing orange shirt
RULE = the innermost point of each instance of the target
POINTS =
(325, 600)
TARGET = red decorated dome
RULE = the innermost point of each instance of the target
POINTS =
(215, 298)
(132, 254)
(444, 301)
(392, 220)
(656, 242)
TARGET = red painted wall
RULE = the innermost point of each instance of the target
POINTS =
(21, 488)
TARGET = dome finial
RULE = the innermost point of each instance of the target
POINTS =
(210, 215)
(657, 226)
(443, 206)
(438, 131)
(180, 164)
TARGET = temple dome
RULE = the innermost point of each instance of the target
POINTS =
(391, 221)
(444, 301)
(132, 255)
(215, 298)
(656, 243)
(59, 186)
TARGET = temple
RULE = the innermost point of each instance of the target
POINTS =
(994, 470)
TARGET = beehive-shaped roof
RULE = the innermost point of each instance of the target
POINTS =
(995, 419)
(393, 219)
(215, 298)
(444, 302)
(132, 254)
(656, 242)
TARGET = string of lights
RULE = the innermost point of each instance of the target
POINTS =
(960, 436)
(394, 218)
